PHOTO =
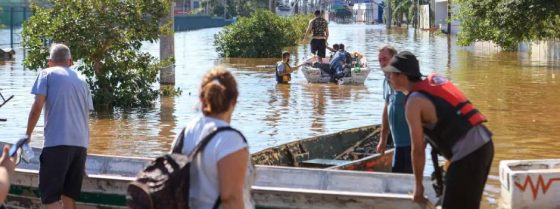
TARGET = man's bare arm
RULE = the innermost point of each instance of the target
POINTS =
(414, 107)
(384, 130)
(307, 32)
(35, 114)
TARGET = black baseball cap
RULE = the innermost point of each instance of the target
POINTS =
(405, 63)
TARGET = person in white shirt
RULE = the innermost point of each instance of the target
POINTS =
(223, 170)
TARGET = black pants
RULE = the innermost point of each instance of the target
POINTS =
(465, 179)
(319, 46)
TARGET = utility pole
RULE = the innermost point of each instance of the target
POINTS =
(272, 6)
(389, 15)
(449, 17)
(167, 49)
(224, 2)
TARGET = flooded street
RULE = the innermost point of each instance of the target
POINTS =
(516, 91)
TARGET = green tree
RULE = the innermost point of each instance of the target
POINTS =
(507, 22)
(264, 34)
(403, 9)
(104, 37)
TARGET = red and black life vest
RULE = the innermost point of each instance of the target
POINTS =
(456, 115)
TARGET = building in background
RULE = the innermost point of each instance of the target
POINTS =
(442, 14)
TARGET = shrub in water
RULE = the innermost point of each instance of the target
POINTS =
(264, 34)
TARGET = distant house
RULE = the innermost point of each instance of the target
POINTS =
(185, 6)
(441, 16)
(369, 12)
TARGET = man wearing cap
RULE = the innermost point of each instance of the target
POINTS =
(437, 109)
(394, 119)
(320, 34)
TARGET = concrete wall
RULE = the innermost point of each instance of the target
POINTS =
(441, 14)
(194, 22)
(530, 183)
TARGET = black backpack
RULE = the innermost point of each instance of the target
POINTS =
(164, 183)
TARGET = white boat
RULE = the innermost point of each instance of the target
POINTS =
(358, 75)
(276, 187)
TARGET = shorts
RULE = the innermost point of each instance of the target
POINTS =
(61, 172)
(402, 160)
(319, 46)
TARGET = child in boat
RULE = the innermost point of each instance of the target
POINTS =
(222, 172)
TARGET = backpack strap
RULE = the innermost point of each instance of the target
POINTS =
(178, 149)
(200, 147)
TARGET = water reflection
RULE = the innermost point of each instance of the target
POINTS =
(515, 90)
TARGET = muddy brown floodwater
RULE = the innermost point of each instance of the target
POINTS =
(517, 91)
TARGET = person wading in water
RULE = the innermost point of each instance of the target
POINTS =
(320, 28)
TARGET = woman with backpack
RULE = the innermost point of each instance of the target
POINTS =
(221, 174)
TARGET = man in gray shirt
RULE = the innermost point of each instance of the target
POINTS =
(67, 100)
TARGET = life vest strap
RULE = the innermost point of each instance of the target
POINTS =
(471, 113)
(462, 104)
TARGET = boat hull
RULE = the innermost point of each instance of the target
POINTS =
(314, 75)
(275, 187)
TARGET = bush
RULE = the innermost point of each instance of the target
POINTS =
(263, 35)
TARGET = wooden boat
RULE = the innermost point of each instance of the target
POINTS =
(275, 187)
(353, 149)
(358, 75)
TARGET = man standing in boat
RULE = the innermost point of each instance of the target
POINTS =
(67, 100)
(320, 28)
(437, 109)
(394, 119)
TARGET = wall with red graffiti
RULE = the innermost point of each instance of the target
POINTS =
(531, 183)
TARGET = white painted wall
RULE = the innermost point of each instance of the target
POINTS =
(441, 14)
(530, 183)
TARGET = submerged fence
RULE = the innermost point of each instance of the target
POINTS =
(11, 20)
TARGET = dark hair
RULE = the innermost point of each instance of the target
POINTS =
(336, 46)
(317, 12)
(413, 78)
(285, 54)
(341, 46)
(217, 91)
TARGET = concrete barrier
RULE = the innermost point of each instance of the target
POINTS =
(530, 183)
(195, 22)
